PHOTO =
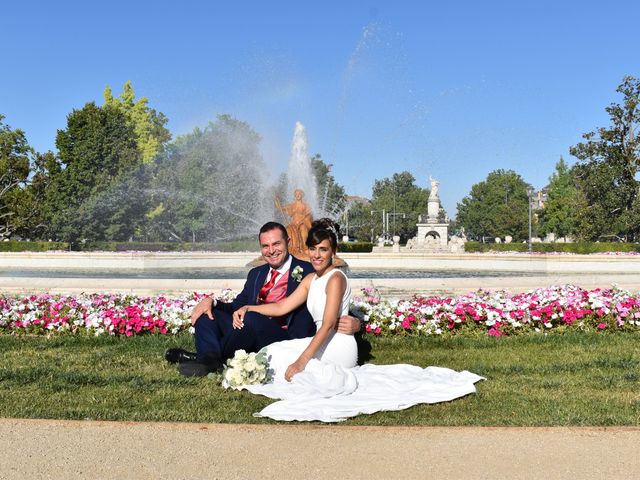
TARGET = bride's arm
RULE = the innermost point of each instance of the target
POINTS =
(289, 304)
(335, 289)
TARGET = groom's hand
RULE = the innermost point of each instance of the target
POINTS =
(348, 325)
(204, 306)
(238, 317)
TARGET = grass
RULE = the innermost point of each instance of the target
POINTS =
(572, 380)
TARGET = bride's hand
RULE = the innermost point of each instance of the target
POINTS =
(238, 317)
(295, 367)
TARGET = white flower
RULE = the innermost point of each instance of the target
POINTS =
(296, 274)
(246, 369)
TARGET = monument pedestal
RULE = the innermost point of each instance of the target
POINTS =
(432, 236)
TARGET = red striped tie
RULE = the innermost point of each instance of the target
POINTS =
(264, 291)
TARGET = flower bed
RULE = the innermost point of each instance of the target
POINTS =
(558, 308)
(554, 309)
(98, 313)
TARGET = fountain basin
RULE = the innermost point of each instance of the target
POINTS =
(185, 261)
(395, 275)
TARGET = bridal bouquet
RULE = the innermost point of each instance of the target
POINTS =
(246, 369)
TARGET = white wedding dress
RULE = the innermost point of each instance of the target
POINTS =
(332, 388)
(340, 349)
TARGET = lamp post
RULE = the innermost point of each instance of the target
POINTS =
(394, 214)
(383, 224)
(529, 192)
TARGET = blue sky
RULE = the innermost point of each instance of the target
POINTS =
(449, 89)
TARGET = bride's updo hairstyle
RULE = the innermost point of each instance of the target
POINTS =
(323, 229)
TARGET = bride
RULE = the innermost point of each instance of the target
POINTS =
(327, 294)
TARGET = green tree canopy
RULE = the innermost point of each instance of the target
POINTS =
(97, 153)
(148, 124)
(560, 209)
(15, 167)
(402, 201)
(332, 194)
(357, 221)
(605, 175)
(496, 207)
(29, 219)
(209, 185)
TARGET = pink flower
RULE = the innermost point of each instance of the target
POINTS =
(494, 332)
(602, 326)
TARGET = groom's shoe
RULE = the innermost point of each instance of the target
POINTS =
(178, 355)
(198, 369)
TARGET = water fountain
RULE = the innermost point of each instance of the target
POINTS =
(300, 175)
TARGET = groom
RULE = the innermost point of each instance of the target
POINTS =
(215, 338)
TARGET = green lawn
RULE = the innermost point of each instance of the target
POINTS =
(578, 379)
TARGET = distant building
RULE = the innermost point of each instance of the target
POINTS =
(539, 198)
(355, 199)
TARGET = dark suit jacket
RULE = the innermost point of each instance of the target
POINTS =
(300, 321)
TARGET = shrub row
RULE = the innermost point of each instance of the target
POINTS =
(230, 246)
(19, 246)
(581, 247)
(355, 247)
(347, 247)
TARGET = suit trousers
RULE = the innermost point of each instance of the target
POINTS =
(258, 331)
(219, 340)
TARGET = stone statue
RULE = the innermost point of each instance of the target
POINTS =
(298, 229)
(434, 187)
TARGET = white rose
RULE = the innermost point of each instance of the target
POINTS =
(237, 378)
(251, 364)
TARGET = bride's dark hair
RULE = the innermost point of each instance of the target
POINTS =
(323, 229)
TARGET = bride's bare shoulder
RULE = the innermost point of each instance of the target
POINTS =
(339, 279)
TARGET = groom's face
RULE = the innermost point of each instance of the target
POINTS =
(274, 248)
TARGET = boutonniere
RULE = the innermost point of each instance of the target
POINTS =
(296, 274)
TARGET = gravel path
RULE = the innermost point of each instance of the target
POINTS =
(52, 449)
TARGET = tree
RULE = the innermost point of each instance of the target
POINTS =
(15, 159)
(332, 195)
(209, 185)
(357, 221)
(30, 221)
(605, 175)
(496, 207)
(402, 201)
(97, 152)
(147, 123)
(559, 215)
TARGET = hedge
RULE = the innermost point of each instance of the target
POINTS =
(230, 246)
(19, 246)
(355, 247)
(580, 247)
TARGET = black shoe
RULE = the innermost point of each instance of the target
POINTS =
(198, 369)
(178, 355)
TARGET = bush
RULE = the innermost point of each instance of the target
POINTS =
(228, 246)
(19, 246)
(355, 247)
(473, 247)
(580, 248)
(103, 246)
